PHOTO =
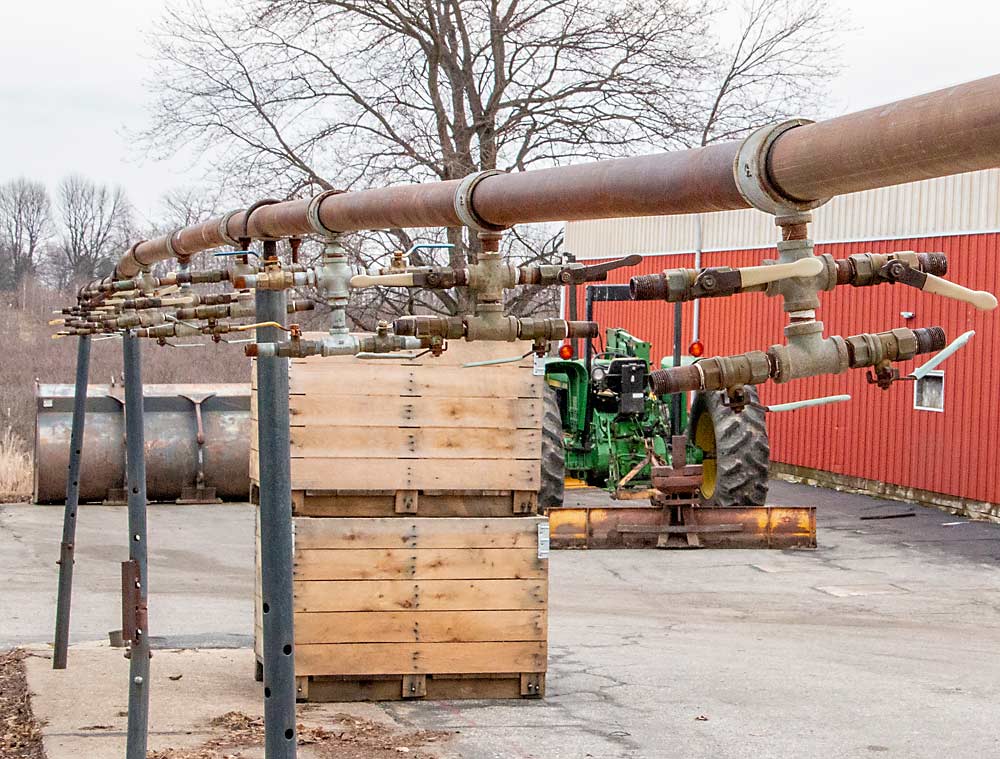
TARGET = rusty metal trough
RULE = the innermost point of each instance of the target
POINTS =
(197, 442)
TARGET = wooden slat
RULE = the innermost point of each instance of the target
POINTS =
(353, 411)
(419, 626)
(458, 353)
(405, 532)
(412, 474)
(419, 564)
(415, 443)
(368, 380)
(424, 658)
(491, 685)
(427, 595)
(438, 505)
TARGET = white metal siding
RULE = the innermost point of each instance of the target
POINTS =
(959, 204)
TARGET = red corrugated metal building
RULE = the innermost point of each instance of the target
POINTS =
(879, 440)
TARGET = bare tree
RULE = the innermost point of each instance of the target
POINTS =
(25, 225)
(774, 66)
(96, 223)
(295, 95)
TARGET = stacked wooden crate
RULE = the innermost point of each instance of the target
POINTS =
(420, 565)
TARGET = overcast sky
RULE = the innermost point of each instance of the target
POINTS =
(72, 78)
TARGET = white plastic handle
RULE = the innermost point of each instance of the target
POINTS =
(795, 405)
(981, 299)
(761, 275)
(385, 280)
(951, 348)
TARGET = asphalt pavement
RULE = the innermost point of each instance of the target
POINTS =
(883, 641)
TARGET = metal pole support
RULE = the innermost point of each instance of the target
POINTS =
(136, 568)
(275, 534)
(65, 594)
(675, 401)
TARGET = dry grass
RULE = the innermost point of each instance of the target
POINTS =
(15, 469)
(29, 354)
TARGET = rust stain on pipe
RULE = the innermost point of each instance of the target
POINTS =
(945, 132)
(949, 131)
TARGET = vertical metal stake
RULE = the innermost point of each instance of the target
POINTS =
(275, 533)
(675, 401)
(135, 468)
(65, 593)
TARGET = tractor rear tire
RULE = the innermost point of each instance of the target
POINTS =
(737, 452)
(550, 492)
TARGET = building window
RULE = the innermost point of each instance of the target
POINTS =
(928, 392)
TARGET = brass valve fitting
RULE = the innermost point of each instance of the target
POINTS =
(831, 356)
(715, 373)
(895, 345)
(864, 269)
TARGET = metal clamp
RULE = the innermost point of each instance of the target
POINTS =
(249, 211)
(752, 179)
(145, 267)
(169, 242)
(312, 214)
(224, 229)
(463, 202)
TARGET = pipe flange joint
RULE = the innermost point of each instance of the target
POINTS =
(224, 229)
(464, 209)
(312, 214)
(752, 179)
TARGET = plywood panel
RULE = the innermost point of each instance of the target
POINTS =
(420, 626)
(421, 658)
(415, 443)
(412, 474)
(426, 595)
(352, 411)
(348, 533)
(419, 563)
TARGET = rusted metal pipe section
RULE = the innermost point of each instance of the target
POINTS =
(795, 164)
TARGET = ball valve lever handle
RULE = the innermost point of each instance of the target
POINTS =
(762, 275)
(384, 280)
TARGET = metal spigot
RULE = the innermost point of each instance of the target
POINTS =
(754, 367)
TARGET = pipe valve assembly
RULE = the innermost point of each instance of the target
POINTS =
(784, 170)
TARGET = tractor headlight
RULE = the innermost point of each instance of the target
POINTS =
(598, 373)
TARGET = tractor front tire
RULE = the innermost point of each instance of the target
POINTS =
(736, 448)
(550, 492)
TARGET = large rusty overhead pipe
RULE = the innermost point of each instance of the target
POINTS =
(796, 165)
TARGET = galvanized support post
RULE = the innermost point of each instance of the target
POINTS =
(135, 468)
(65, 594)
(275, 532)
(675, 400)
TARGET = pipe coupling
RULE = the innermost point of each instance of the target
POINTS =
(717, 373)
(464, 208)
(753, 179)
(313, 217)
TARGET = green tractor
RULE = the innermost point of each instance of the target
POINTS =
(613, 430)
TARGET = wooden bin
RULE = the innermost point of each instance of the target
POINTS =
(420, 569)
(374, 438)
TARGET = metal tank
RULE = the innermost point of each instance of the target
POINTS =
(197, 443)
